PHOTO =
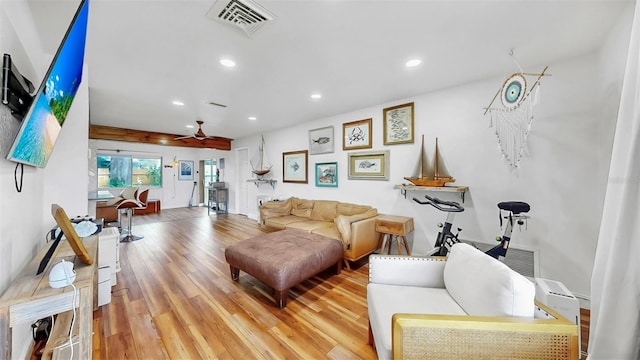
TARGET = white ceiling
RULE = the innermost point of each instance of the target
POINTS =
(144, 54)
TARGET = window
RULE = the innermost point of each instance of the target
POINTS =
(125, 171)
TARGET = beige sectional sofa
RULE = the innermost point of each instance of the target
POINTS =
(352, 224)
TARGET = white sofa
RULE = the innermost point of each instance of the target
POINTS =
(460, 307)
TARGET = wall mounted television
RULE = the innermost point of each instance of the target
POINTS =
(41, 125)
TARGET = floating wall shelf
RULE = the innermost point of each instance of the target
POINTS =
(457, 189)
(257, 182)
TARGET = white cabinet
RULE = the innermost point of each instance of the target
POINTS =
(108, 263)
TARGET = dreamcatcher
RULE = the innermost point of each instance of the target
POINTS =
(512, 121)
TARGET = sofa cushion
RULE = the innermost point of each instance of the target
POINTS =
(323, 210)
(330, 232)
(272, 209)
(301, 207)
(351, 209)
(309, 225)
(484, 286)
(385, 300)
(282, 221)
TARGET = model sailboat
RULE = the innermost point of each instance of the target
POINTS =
(434, 174)
(261, 165)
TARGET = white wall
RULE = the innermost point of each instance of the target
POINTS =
(562, 177)
(25, 217)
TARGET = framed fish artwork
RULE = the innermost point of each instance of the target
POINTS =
(369, 165)
(321, 140)
(398, 124)
(295, 166)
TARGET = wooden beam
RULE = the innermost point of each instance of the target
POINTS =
(100, 132)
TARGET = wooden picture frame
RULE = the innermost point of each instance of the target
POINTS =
(327, 174)
(295, 166)
(357, 135)
(398, 124)
(185, 170)
(62, 219)
(369, 165)
(321, 140)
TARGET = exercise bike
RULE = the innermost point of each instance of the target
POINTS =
(446, 239)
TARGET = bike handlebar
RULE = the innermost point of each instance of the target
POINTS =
(449, 206)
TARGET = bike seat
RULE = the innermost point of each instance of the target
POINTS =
(515, 207)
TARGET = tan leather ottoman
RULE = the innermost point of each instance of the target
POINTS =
(284, 258)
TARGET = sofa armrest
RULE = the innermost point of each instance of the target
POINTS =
(272, 209)
(423, 336)
(343, 223)
(407, 270)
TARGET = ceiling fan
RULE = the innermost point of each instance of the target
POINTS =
(198, 135)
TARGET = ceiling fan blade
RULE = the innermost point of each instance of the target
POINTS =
(183, 137)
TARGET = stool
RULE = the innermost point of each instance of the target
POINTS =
(138, 202)
(391, 225)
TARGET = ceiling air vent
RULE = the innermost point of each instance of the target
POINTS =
(245, 14)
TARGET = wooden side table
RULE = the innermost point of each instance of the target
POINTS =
(29, 298)
(391, 225)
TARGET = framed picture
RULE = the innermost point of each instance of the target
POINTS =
(321, 140)
(185, 170)
(369, 165)
(327, 174)
(356, 135)
(294, 166)
(398, 124)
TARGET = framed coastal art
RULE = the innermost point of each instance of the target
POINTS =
(369, 165)
(398, 124)
(294, 166)
(185, 170)
(356, 135)
(321, 140)
(327, 174)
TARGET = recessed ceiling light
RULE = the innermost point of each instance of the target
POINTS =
(228, 62)
(190, 126)
(253, 118)
(316, 96)
(413, 63)
(177, 103)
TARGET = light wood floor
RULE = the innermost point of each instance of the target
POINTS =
(175, 299)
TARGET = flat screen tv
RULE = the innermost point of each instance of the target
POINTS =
(42, 123)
